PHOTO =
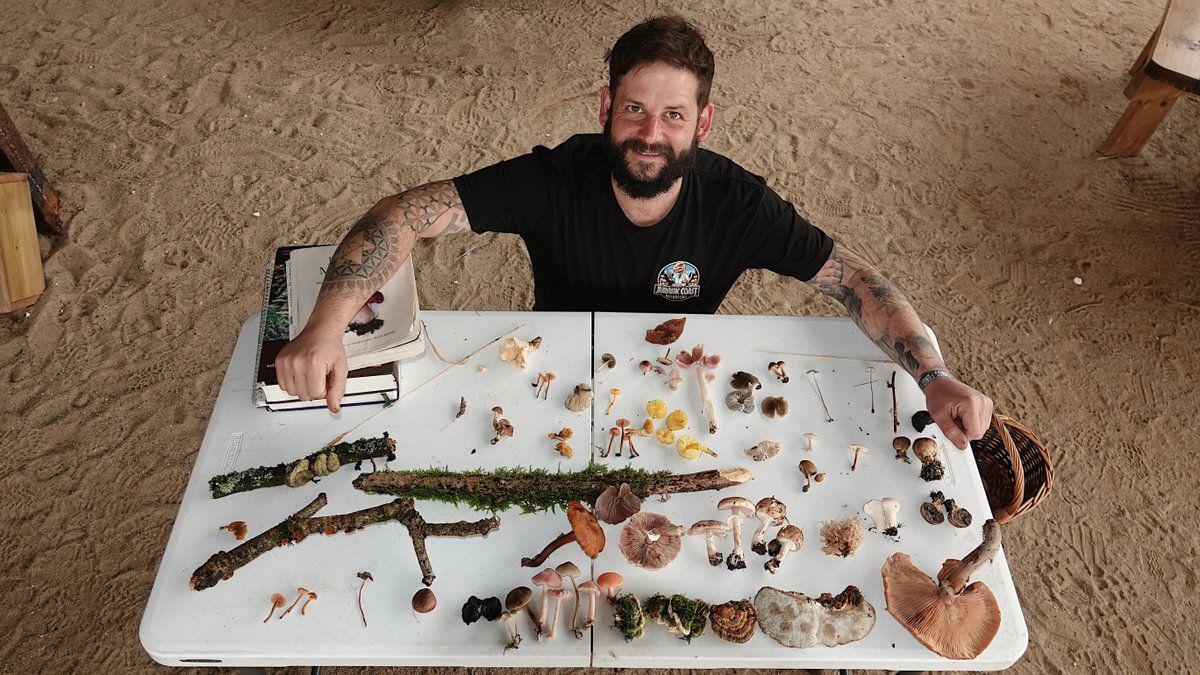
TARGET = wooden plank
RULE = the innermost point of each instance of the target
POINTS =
(1150, 101)
(21, 277)
(15, 156)
(1176, 55)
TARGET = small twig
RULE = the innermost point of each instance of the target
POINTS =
(828, 417)
(1083, 306)
(895, 409)
(824, 356)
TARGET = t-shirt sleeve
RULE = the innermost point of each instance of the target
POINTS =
(512, 196)
(781, 240)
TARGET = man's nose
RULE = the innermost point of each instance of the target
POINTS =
(649, 132)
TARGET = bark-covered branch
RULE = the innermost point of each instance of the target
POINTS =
(299, 472)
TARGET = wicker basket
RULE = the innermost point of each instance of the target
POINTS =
(1015, 468)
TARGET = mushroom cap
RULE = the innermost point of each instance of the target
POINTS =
(715, 527)
(791, 533)
(858, 447)
(739, 506)
(774, 406)
(637, 546)
(580, 398)
(623, 422)
(608, 360)
(743, 381)
(614, 504)
(796, 620)
(569, 570)
(772, 509)
(548, 578)
(424, 601)
(666, 332)
(656, 408)
(518, 598)
(559, 592)
(901, 443)
(733, 621)
(925, 448)
(763, 450)
(609, 580)
(588, 587)
(807, 467)
(677, 420)
(498, 410)
(588, 532)
(954, 626)
(931, 513)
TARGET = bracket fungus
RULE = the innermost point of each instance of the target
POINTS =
(666, 332)
(650, 540)
(926, 450)
(950, 617)
(788, 538)
(901, 444)
(762, 451)
(733, 621)
(702, 363)
(617, 504)
(683, 616)
(738, 508)
(710, 529)
(580, 398)
(885, 514)
(771, 513)
(842, 537)
(810, 474)
(774, 406)
(796, 620)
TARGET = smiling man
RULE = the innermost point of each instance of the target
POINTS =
(636, 219)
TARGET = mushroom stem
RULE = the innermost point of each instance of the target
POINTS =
(714, 556)
(591, 618)
(813, 373)
(854, 464)
(735, 560)
(559, 541)
(955, 574)
(554, 621)
(705, 399)
(758, 542)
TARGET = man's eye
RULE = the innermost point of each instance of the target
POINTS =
(674, 114)
(633, 108)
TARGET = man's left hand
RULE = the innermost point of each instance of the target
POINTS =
(962, 413)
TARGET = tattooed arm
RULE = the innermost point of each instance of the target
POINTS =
(314, 364)
(885, 315)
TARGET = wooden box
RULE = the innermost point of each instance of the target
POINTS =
(21, 278)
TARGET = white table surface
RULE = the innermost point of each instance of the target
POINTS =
(224, 624)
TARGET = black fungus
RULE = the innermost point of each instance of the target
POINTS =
(921, 419)
(491, 609)
(471, 610)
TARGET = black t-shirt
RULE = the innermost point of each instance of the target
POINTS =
(588, 256)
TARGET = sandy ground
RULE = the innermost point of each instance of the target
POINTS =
(949, 142)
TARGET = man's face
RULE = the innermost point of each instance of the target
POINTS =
(652, 127)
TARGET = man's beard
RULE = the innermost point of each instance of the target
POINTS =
(645, 188)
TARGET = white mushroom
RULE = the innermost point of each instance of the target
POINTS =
(789, 538)
(711, 528)
(763, 451)
(885, 513)
(812, 442)
(738, 507)
(770, 512)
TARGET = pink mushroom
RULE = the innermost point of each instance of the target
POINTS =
(701, 362)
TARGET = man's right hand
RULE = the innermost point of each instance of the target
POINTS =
(314, 366)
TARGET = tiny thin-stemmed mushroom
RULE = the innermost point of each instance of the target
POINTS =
(778, 369)
(622, 424)
(311, 596)
(571, 571)
(547, 579)
(885, 514)
(710, 529)
(606, 361)
(612, 399)
(810, 474)
(592, 591)
(610, 582)
(738, 508)
(645, 367)
(558, 594)
(301, 593)
(774, 406)
(931, 510)
(858, 449)
(277, 601)
(812, 441)
(926, 450)
(770, 512)
(613, 434)
(580, 398)
(901, 444)
(789, 538)
(921, 419)
(516, 602)
(365, 576)
(629, 434)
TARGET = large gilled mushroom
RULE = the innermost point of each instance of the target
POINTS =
(771, 512)
(738, 508)
(650, 540)
(585, 531)
(701, 362)
(710, 529)
(666, 332)
(789, 538)
(516, 602)
(885, 514)
(547, 579)
(592, 591)
(733, 621)
(926, 450)
(762, 451)
(580, 398)
(571, 571)
(955, 620)
(796, 620)
(615, 505)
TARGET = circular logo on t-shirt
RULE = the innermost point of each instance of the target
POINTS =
(679, 280)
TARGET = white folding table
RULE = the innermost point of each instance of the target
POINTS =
(224, 624)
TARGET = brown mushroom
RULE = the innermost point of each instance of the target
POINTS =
(666, 332)
(424, 601)
(650, 540)
(738, 508)
(580, 398)
(571, 571)
(733, 621)
(613, 434)
(622, 424)
(955, 620)
(774, 406)
(615, 505)
(516, 602)
(710, 529)
(810, 474)
(957, 515)
(277, 601)
(901, 445)
(931, 510)
(788, 538)
(610, 582)
(548, 579)
(777, 368)
(926, 450)
(588, 532)
(237, 527)
(770, 512)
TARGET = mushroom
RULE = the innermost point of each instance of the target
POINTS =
(571, 571)
(842, 537)
(743, 381)
(424, 601)
(738, 508)
(710, 528)
(237, 527)
(733, 621)
(740, 401)
(955, 620)
(613, 434)
(931, 510)
(517, 351)
(472, 609)
(585, 531)
(564, 450)
(490, 608)
(629, 434)
(580, 398)
(610, 582)
(774, 406)
(796, 620)
(622, 424)
(812, 442)
(645, 367)
(365, 576)
(516, 602)
(612, 399)
(665, 436)
(650, 540)
(926, 450)
(762, 451)
(311, 596)
(810, 474)
(921, 419)
(674, 379)
(777, 368)
(901, 444)
(647, 428)
(702, 362)
(606, 361)
(666, 332)
(677, 420)
(592, 590)
(770, 512)
(615, 505)
(547, 579)
(788, 538)
(958, 516)
(656, 409)
(301, 593)
(857, 448)
(547, 378)
(500, 425)
(564, 435)
(885, 513)
(277, 601)
(558, 594)
(684, 616)
(689, 448)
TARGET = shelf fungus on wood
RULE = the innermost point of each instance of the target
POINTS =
(796, 620)
(733, 621)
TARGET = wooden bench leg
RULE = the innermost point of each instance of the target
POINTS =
(1150, 101)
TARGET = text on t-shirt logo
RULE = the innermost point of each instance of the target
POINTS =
(679, 280)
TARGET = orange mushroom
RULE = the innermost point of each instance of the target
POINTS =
(955, 620)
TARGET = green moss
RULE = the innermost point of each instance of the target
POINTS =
(628, 617)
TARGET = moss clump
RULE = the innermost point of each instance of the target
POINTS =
(628, 617)
(682, 615)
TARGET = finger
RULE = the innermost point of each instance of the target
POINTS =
(284, 376)
(336, 386)
(982, 419)
(314, 381)
(950, 427)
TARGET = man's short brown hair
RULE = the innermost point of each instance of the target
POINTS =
(669, 39)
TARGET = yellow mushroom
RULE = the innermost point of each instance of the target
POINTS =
(665, 436)
(677, 420)
(656, 409)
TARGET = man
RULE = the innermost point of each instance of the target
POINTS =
(635, 219)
